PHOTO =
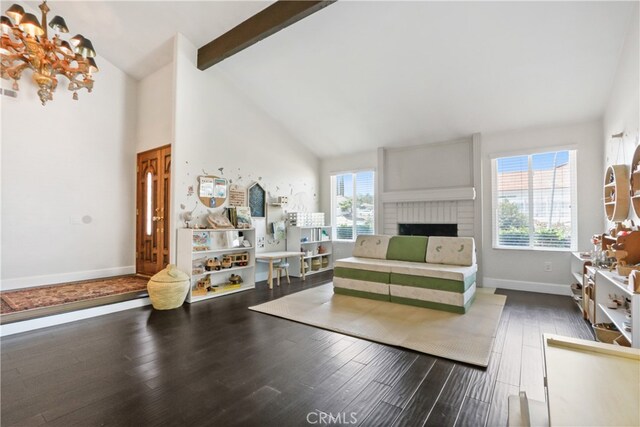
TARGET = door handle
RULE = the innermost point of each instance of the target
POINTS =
(157, 218)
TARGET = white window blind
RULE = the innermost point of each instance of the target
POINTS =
(353, 204)
(534, 203)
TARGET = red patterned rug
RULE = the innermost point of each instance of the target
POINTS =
(52, 295)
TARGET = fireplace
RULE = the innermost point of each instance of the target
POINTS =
(450, 230)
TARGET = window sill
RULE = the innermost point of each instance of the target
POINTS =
(528, 248)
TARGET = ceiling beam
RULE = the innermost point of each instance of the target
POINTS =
(269, 21)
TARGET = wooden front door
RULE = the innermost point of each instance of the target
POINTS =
(152, 210)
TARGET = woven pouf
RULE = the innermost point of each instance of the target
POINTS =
(168, 288)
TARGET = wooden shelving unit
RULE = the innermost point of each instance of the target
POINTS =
(616, 192)
(309, 239)
(609, 283)
(579, 266)
(195, 246)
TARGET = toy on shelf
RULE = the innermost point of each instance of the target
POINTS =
(240, 259)
(226, 262)
(212, 264)
(202, 286)
(626, 251)
(234, 279)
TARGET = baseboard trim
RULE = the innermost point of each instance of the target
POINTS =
(516, 285)
(76, 276)
(72, 316)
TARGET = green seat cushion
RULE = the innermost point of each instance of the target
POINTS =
(408, 248)
(357, 274)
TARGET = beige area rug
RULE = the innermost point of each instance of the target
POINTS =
(465, 338)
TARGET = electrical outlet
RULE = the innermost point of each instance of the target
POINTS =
(548, 266)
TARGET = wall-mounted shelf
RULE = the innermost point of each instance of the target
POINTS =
(616, 192)
(634, 181)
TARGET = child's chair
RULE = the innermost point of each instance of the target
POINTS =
(280, 266)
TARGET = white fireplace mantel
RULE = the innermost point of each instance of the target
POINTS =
(431, 195)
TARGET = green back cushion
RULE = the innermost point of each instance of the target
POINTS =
(407, 248)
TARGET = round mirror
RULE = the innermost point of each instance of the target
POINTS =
(212, 190)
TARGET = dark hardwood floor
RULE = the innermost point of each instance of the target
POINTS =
(215, 363)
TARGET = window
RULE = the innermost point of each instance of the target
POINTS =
(353, 204)
(534, 201)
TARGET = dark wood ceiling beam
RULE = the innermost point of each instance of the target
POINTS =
(269, 21)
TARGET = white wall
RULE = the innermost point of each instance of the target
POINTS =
(218, 131)
(155, 110)
(438, 165)
(623, 108)
(524, 269)
(61, 163)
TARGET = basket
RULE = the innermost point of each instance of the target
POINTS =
(622, 341)
(168, 288)
(606, 332)
(625, 270)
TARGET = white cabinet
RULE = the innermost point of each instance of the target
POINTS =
(317, 245)
(610, 283)
(196, 246)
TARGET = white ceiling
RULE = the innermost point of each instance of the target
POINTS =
(360, 75)
(137, 36)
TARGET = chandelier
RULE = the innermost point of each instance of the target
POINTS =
(25, 44)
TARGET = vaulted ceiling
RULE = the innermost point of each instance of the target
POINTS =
(137, 36)
(360, 75)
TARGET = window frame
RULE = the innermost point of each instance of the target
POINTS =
(334, 225)
(573, 162)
